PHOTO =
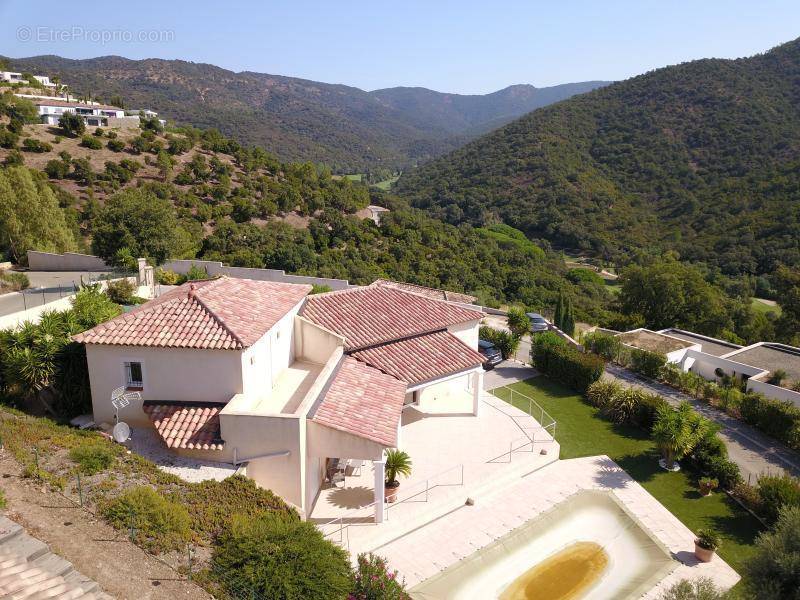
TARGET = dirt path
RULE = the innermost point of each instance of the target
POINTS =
(754, 452)
(95, 549)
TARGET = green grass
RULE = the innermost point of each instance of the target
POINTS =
(350, 176)
(762, 307)
(613, 286)
(582, 432)
(387, 183)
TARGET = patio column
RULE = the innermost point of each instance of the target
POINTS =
(477, 388)
(380, 480)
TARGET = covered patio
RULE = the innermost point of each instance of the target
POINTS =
(457, 452)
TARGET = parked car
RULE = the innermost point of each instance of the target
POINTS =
(538, 322)
(491, 353)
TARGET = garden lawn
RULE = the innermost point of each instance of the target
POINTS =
(763, 307)
(581, 431)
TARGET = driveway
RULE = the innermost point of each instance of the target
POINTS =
(754, 452)
(46, 286)
(523, 353)
(506, 373)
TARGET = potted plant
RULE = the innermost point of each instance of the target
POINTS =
(708, 485)
(706, 543)
(397, 463)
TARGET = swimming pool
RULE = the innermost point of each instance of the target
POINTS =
(586, 547)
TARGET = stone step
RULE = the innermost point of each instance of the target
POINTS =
(25, 547)
(79, 580)
(53, 563)
(8, 529)
(38, 581)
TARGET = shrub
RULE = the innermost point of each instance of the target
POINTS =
(647, 410)
(677, 431)
(506, 342)
(647, 363)
(15, 281)
(272, 556)
(772, 572)
(8, 139)
(623, 405)
(34, 145)
(518, 321)
(72, 124)
(748, 495)
(115, 145)
(701, 588)
(2, 499)
(775, 492)
(14, 159)
(56, 169)
(601, 392)
(725, 471)
(121, 291)
(91, 142)
(167, 277)
(603, 344)
(98, 132)
(194, 273)
(780, 420)
(575, 369)
(375, 581)
(158, 524)
(92, 457)
(319, 288)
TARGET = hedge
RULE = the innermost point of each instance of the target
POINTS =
(647, 363)
(603, 344)
(573, 368)
(780, 420)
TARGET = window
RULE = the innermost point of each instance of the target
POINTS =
(133, 375)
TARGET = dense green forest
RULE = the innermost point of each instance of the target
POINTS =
(702, 159)
(347, 128)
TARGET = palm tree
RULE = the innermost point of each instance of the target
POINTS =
(397, 463)
(677, 431)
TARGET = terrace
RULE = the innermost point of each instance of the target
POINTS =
(456, 455)
(644, 339)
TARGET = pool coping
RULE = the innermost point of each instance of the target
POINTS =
(424, 553)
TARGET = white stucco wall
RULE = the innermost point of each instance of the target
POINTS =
(168, 373)
(467, 332)
(705, 365)
(774, 391)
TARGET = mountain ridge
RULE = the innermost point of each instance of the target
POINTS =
(348, 128)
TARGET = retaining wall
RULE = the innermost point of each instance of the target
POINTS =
(69, 261)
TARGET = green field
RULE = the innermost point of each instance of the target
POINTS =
(582, 432)
(762, 307)
(387, 183)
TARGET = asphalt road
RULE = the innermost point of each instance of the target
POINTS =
(755, 453)
(45, 287)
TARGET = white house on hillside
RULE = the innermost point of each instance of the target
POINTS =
(261, 373)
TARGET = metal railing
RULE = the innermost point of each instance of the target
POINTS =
(365, 514)
(528, 405)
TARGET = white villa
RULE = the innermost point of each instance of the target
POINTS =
(712, 358)
(262, 373)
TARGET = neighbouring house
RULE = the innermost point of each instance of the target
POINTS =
(263, 374)
(95, 115)
(44, 80)
(711, 358)
(372, 212)
(434, 293)
(11, 77)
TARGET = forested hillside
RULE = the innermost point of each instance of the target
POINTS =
(702, 158)
(187, 192)
(348, 129)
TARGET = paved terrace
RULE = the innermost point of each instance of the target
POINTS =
(425, 552)
(442, 447)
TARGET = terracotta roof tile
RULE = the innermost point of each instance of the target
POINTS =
(190, 426)
(364, 402)
(434, 293)
(421, 358)
(376, 314)
(223, 313)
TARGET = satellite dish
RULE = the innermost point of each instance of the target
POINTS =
(121, 432)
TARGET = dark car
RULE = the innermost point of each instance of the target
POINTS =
(491, 353)
(538, 322)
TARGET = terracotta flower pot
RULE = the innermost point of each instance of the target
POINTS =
(703, 554)
(705, 489)
(390, 491)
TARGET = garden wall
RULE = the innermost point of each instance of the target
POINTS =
(69, 261)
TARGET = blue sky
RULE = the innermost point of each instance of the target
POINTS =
(454, 46)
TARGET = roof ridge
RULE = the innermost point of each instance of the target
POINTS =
(398, 339)
(193, 296)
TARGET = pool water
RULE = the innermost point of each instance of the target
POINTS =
(563, 576)
(587, 547)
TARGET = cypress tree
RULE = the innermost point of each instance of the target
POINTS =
(559, 314)
(568, 318)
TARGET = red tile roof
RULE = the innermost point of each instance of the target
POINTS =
(364, 402)
(434, 293)
(421, 358)
(190, 426)
(376, 314)
(223, 313)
